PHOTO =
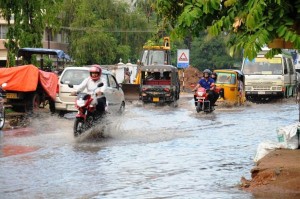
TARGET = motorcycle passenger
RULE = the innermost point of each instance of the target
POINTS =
(91, 83)
(214, 75)
(209, 84)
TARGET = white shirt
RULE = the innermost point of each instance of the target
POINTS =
(91, 86)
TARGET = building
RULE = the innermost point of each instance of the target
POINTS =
(56, 41)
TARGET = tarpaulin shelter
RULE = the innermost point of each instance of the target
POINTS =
(26, 79)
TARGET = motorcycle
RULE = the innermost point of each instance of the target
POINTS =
(2, 107)
(202, 103)
(87, 114)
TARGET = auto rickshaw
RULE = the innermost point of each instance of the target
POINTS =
(230, 85)
(159, 84)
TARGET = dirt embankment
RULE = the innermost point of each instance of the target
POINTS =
(190, 78)
(276, 175)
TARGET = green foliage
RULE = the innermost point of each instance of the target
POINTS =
(212, 53)
(98, 31)
(48, 63)
(93, 48)
(123, 51)
(30, 20)
(252, 23)
(106, 31)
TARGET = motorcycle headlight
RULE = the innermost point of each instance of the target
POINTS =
(80, 102)
(200, 93)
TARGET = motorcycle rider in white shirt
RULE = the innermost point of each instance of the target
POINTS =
(91, 85)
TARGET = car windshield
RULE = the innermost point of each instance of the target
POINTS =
(226, 78)
(263, 66)
(74, 77)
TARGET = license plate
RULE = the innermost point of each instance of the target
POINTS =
(11, 96)
(261, 92)
(155, 99)
(71, 107)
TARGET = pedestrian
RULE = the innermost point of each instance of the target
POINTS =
(127, 76)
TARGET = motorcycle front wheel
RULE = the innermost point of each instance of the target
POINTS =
(198, 107)
(78, 126)
(2, 118)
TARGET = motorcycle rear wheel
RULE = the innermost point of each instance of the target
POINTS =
(2, 118)
(78, 126)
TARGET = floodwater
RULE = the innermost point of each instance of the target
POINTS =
(148, 152)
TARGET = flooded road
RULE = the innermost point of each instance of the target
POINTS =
(148, 152)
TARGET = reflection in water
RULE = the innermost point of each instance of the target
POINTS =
(9, 150)
(149, 152)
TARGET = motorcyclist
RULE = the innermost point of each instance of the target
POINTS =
(209, 84)
(91, 83)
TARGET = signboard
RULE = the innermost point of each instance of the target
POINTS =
(183, 58)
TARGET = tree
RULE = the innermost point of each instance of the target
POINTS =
(211, 53)
(30, 19)
(120, 32)
(251, 23)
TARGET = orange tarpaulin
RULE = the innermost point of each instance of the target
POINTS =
(49, 82)
(26, 78)
(20, 78)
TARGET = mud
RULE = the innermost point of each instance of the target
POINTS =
(277, 175)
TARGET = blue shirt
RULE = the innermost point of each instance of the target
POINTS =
(206, 83)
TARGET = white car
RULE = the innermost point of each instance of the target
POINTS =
(75, 75)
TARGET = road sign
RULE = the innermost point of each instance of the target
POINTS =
(183, 58)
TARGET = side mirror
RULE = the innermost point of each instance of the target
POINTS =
(70, 85)
(100, 84)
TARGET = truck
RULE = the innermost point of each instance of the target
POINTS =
(157, 54)
(151, 55)
(266, 79)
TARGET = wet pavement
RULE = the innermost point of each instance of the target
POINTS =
(148, 152)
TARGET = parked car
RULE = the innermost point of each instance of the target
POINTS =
(75, 75)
